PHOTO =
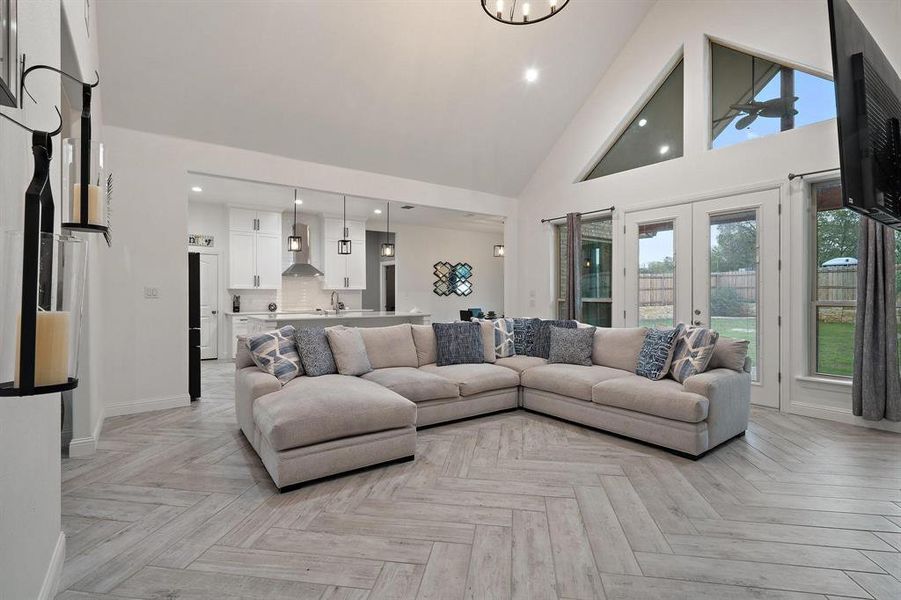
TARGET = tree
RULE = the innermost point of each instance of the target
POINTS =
(735, 247)
(658, 266)
(837, 234)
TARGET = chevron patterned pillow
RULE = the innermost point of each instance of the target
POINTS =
(694, 348)
(276, 353)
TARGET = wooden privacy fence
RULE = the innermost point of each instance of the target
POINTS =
(835, 284)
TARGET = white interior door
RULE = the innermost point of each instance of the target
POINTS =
(705, 263)
(737, 280)
(209, 306)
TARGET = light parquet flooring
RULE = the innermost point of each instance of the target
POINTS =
(175, 504)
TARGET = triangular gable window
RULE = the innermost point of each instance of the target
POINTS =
(653, 136)
(753, 97)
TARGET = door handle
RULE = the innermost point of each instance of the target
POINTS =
(214, 312)
(697, 311)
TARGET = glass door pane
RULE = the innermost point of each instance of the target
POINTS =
(656, 274)
(734, 278)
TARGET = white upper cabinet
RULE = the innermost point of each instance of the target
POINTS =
(344, 271)
(254, 257)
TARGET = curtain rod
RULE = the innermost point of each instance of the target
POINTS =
(590, 212)
(792, 176)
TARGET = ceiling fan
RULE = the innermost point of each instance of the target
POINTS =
(773, 108)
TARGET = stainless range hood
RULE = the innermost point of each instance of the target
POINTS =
(302, 266)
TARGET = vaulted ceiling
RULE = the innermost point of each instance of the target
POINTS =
(431, 90)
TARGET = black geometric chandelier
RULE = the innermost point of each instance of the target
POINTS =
(522, 12)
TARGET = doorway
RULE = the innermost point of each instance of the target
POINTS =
(388, 286)
(712, 263)
(209, 306)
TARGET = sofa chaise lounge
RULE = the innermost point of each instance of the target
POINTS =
(313, 427)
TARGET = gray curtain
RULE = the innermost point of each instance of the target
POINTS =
(876, 392)
(573, 266)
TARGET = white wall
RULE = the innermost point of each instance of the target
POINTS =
(31, 543)
(145, 360)
(419, 248)
(792, 32)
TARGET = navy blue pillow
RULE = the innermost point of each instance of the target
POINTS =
(541, 344)
(657, 352)
(524, 331)
(315, 352)
(458, 343)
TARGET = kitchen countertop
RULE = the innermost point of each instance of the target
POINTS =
(296, 311)
(348, 314)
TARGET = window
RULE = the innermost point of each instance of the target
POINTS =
(597, 267)
(753, 97)
(656, 275)
(653, 136)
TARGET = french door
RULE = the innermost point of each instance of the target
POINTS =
(713, 263)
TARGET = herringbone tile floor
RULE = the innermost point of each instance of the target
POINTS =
(176, 505)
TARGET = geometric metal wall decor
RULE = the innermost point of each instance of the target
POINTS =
(452, 279)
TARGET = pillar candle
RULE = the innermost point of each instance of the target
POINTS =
(95, 212)
(51, 348)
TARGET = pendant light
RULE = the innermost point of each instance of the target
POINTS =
(387, 249)
(295, 242)
(344, 245)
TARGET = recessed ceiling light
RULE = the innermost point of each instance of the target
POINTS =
(378, 211)
(664, 149)
(197, 189)
(531, 75)
(642, 122)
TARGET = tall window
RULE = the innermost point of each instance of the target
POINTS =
(597, 267)
(653, 136)
(753, 97)
(656, 274)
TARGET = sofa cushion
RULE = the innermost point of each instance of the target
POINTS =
(315, 352)
(657, 352)
(459, 343)
(574, 381)
(520, 363)
(541, 344)
(415, 385)
(487, 328)
(311, 410)
(390, 346)
(571, 346)
(665, 398)
(729, 353)
(692, 353)
(275, 352)
(476, 378)
(426, 344)
(618, 347)
(348, 350)
(524, 331)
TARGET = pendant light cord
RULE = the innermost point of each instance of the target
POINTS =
(294, 226)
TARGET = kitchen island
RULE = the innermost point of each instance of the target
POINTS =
(351, 318)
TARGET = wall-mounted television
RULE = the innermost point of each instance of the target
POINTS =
(868, 99)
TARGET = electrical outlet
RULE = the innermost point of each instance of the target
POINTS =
(152, 293)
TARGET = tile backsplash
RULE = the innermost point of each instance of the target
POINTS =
(296, 293)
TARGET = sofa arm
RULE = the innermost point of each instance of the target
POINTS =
(729, 394)
(250, 384)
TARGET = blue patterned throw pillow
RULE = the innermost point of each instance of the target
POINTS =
(657, 352)
(503, 336)
(315, 352)
(276, 353)
(458, 343)
(541, 343)
(693, 351)
(523, 333)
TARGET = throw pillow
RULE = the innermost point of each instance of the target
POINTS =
(523, 333)
(729, 353)
(276, 353)
(694, 348)
(657, 352)
(348, 350)
(541, 344)
(571, 346)
(503, 338)
(458, 343)
(315, 352)
(487, 339)
(426, 346)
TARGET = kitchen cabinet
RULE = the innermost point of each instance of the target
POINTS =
(344, 271)
(254, 250)
(239, 328)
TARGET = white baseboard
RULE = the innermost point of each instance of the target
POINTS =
(139, 406)
(86, 446)
(54, 570)
(842, 415)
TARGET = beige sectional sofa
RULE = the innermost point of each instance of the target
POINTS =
(318, 426)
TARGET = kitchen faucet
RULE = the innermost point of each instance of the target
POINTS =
(335, 301)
